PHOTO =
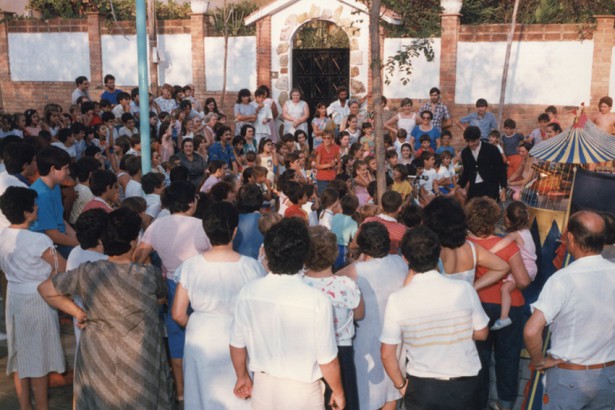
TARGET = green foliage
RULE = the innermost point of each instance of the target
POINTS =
(122, 9)
(402, 60)
(320, 34)
(419, 18)
(228, 20)
(534, 11)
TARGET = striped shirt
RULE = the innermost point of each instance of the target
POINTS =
(435, 318)
(395, 229)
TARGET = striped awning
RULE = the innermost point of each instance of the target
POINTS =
(583, 143)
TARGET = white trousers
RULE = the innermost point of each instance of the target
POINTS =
(273, 393)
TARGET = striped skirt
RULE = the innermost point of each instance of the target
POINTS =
(33, 331)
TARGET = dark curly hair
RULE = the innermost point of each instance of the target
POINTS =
(220, 220)
(287, 245)
(249, 198)
(15, 201)
(482, 213)
(373, 240)
(518, 217)
(123, 227)
(178, 196)
(323, 251)
(90, 227)
(446, 218)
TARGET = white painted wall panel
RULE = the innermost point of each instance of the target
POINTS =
(556, 73)
(119, 57)
(48, 56)
(425, 74)
(241, 64)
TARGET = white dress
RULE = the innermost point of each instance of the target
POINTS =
(209, 377)
(406, 123)
(295, 111)
(377, 279)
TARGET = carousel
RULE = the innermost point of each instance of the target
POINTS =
(569, 172)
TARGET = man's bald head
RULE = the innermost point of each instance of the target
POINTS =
(589, 231)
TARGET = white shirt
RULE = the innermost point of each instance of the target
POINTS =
(435, 318)
(578, 302)
(337, 112)
(21, 259)
(475, 152)
(325, 218)
(133, 188)
(153, 205)
(79, 256)
(286, 326)
(7, 180)
(84, 195)
(432, 175)
(72, 150)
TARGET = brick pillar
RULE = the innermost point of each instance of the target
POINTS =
(448, 56)
(263, 52)
(198, 24)
(96, 72)
(604, 41)
(5, 70)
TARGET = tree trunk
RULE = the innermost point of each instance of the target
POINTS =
(509, 40)
(376, 66)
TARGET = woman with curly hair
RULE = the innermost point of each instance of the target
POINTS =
(459, 257)
(506, 344)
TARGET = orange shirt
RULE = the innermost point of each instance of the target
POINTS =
(295, 211)
(492, 294)
(326, 158)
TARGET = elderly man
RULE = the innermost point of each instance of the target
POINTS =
(437, 319)
(286, 328)
(578, 302)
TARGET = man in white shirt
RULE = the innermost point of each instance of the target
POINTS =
(83, 86)
(437, 320)
(578, 302)
(286, 328)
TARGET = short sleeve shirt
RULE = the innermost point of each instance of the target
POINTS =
(327, 158)
(20, 258)
(50, 208)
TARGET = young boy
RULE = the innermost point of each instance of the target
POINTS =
(429, 180)
(133, 166)
(510, 142)
(263, 116)
(402, 138)
(128, 128)
(425, 141)
(494, 139)
(53, 169)
(83, 170)
(604, 118)
(392, 160)
(104, 186)
(445, 143)
(482, 118)
(153, 185)
(66, 142)
(295, 191)
(538, 134)
(344, 227)
(123, 106)
(551, 111)
(135, 145)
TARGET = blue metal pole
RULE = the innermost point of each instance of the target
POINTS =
(146, 154)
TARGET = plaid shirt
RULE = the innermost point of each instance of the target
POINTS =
(440, 114)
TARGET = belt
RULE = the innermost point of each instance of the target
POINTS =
(572, 366)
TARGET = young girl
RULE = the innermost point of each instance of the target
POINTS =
(268, 158)
(446, 177)
(368, 142)
(400, 182)
(319, 124)
(362, 178)
(354, 132)
(517, 221)
(301, 142)
(33, 126)
(210, 106)
(343, 140)
(330, 205)
(406, 154)
(52, 121)
(167, 147)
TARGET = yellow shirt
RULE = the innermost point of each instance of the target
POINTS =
(403, 187)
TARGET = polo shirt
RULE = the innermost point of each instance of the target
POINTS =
(395, 229)
(111, 97)
(578, 302)
(50, 208)
(435, 318)
(486, 123)
(286, 326)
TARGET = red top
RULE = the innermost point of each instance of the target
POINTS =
(326, 158)
(295, 211)
(492, 294)
(396, 231)
(95, 203)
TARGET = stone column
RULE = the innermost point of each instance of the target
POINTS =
(263, 52)
(604, 41)
(448, 56)
(96, 71)
(198, 24)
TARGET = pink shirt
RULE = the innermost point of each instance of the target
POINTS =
(176, 238)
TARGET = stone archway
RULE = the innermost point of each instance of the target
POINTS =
(283, 50)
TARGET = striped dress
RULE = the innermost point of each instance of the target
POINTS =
(121, 362)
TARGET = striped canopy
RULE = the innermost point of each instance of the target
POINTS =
(583, 143)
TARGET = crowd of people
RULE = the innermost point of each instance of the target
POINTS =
(256, 260)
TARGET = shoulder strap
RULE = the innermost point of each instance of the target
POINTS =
(473, 253)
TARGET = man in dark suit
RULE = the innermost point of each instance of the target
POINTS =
(483, 167)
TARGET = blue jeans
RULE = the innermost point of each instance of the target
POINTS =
(506, 345)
